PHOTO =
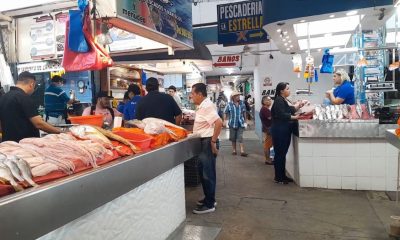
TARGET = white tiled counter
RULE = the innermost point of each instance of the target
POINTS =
(357, 163)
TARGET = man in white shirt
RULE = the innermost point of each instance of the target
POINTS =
(207, 125)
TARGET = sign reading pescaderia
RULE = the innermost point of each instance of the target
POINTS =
(172, 18)
(241, 23)
(227, 61)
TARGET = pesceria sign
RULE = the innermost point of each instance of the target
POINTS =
(227, 61)
(241, 23)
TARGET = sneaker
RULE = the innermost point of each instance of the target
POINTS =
(288, 179)
(203, 209)
(201, 203)
(284, 182)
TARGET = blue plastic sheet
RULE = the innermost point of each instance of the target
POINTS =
(76, 38)
(327, 62)
(82, 4)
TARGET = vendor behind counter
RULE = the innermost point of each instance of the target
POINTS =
(344, 91)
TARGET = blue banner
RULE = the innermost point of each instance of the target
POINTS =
(241, 23)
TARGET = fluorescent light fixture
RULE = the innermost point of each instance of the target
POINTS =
(285, 32)
(288, 49)
(319, 49)
(287, 37)
(335, 25)
(352, 13)
(291, 46)
(14, 5)
(290, 41)
(279, 30)
(284, 40)
(343, 50)
(285, 44)
(323, 42)
(332, 15)
(302, 21)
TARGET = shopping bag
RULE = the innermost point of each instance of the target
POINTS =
(95, 59)
(327, 62)
(76, 38)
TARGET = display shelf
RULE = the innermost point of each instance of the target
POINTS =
(378, 91)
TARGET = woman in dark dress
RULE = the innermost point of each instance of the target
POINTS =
(283, 121)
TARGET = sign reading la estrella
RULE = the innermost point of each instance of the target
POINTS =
(226, 61)
(241, 23)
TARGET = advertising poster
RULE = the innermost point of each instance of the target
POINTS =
(241, 23)
(43, 38)
(172, 18)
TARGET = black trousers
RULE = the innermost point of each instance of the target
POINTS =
(281, 136)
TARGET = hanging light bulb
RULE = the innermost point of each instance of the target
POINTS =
(104, 38)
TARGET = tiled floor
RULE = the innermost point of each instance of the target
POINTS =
(251, 206)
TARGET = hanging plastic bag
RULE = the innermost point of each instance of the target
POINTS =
(327, 62)
(297, 63)
(82, 4)
(76, 38)
(96, 59)
(309, 70)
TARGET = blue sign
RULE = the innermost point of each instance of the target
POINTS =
(241, 23)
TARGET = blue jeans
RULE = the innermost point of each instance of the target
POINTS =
(207, 171)
(281, 136)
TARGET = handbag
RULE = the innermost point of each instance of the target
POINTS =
(95, 59)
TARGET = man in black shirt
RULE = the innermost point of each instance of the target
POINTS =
(158, 105)
(18, 116)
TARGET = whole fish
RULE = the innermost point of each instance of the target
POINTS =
(6, 176)
(25, 171)
(86, 132)
(12, 165)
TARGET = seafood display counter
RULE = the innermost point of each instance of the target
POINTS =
(137, 197)
(343, 154)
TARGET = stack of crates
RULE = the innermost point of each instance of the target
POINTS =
(192, 176)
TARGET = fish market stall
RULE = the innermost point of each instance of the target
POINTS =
(94, 184)
(343, 152)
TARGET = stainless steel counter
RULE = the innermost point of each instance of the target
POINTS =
(35, 212)
(343, 129)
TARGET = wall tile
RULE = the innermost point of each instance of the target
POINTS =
(319, 164)
(306, 166)
(306, 147)
(306, 181)
(363, 148)
(349, 183)
(334, 182)
(334, 166)
(391, 167)
(378, 166)
(363, 166)
(378, 184)
(391, 151)
(332, 147)
(391, 184)
(363, 183)
(348, 166)
(320, 147)
(320, 181)
(345, 148)
(378, 148)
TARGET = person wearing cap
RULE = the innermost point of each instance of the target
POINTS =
(235, 116)
(55, 101)
(130, 106)
(344, 91)
(172, 93)
(158, 105)
(101, 106)
(19, 116)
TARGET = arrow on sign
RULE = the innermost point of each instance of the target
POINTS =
(259, 34)
(224, 64)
